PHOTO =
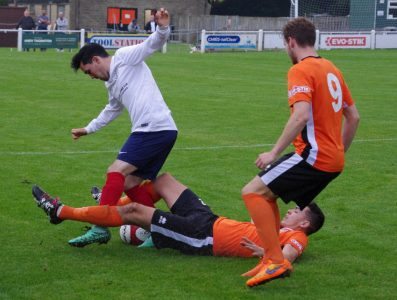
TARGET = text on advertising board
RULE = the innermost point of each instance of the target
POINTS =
(223, 39)
(346, 41)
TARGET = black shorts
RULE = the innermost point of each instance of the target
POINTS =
(293, 179)
(188, 228)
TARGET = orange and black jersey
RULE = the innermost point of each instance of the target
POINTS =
(317, 81)
(227, 235)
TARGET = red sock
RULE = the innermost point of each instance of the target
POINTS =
(148, 186)
(113, 189)
(140, 195)
(99, 215)
(262, 213)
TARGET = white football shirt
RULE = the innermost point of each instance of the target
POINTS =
(131, 86)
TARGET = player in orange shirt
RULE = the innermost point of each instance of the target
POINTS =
(321, 126)
(191, 227)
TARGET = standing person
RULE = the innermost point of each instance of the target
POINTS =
(61, 24)
(42, 24)
(26, 23)
(133, 27)
(321, 126)
(151, 25)
(130, 85)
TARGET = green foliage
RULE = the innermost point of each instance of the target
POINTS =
(329, 7)
(251, 8)
(229, 107)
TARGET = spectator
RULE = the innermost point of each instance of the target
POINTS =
(151, 25)
(123, 27)
(133, 27)
(61, 24)
(26, 23)
(42, 23)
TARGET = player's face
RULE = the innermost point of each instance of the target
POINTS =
(294, 217)
(96, 69)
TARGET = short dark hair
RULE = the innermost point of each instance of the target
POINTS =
(86, 53)
(302, 30)
(316, 218)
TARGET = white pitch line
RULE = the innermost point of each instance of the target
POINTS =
(176, 148)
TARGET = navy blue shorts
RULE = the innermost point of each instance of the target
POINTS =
(187, 228)
(148, 151)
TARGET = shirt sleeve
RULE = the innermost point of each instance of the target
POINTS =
(136, 54)
(299, 86)
(108, 114)
(299, 241)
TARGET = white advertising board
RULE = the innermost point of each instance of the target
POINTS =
(115, 41)
(241, 41)
(273, 40)
(344, 41)
(386, 40)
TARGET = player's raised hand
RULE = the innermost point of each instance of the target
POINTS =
(162, 17)
(78, 132)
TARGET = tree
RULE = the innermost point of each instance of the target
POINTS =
(257, 8)
(329, 7)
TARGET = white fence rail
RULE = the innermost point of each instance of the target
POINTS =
(261, 40)
(49, 32)
(243, 40)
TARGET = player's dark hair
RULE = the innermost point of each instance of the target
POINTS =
(316, 218)
(302, 30)
(86, 53)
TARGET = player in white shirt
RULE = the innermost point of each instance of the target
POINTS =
(130, 85)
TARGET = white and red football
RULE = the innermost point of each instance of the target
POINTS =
(133, 235)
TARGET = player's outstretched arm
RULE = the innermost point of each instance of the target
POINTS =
(133, 55)
(294, 126)
(289, 252)
(78, 132)
(352, 118)
(162, 17)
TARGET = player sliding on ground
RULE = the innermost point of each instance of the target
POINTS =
(190, 226)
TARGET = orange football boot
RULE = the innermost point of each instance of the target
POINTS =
(269, 272)
(255, 270)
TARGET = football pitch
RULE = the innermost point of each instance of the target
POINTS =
(228, 107)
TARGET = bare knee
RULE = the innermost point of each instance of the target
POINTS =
(163, 181)
(257, 186)
(137, 214)
(164, 178)
(131, 181)
(127, 210)
(121, 167)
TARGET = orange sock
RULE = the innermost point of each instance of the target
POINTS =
(124, 201)
(262, 213)
(102, 215)
(276, 213)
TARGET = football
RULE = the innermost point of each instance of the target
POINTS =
(133, 235)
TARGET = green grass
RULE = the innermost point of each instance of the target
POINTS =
(229, 107)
